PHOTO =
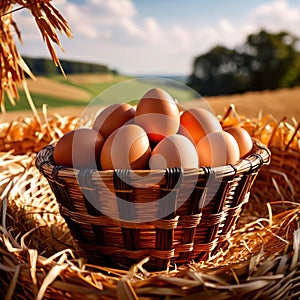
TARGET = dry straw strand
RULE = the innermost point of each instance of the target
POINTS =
(48, 20)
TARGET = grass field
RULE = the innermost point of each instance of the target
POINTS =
(57, 91)
(71, 95)
(79, 90)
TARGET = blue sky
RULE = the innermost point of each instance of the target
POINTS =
(143, 37)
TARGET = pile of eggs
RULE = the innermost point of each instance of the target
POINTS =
(154, 135)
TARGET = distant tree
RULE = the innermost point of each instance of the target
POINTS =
(264, 61)
(45, 67)
(292, 77)
(220, 71)
(41, 66)
(273, 58)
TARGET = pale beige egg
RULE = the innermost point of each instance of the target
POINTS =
(174, 151)
(217, 149)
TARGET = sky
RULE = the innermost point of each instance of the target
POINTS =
(156, 37)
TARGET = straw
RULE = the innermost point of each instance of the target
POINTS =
(39, 259)
(13, 68)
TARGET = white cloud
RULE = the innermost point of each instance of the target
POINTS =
(273, 16)
(80, 22)
(112, 8)
(277, 15)
(153, 34)
(128, 26)
(223, 33)
(181, 38)
(113, 31)
(226, 26)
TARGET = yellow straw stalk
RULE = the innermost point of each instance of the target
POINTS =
(13, 68)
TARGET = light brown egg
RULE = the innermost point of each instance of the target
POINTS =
(197, 122)
(243, 139)
(174, 151)
(217, 149)
(79, 148)
(113, 117)
(127, 147)
(157, 113)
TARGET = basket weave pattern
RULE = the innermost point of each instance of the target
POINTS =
(107, 232)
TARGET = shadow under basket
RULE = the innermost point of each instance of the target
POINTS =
(172, 216)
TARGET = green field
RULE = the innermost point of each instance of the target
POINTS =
(57, 91)
(39, 100)
(60, 100)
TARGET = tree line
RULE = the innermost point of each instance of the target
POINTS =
(265, 61)
(46, 67)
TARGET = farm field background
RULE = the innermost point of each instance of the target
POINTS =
(70, 96)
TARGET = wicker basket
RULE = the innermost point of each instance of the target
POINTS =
(194, 228)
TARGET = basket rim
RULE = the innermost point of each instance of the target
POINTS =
(260, 155)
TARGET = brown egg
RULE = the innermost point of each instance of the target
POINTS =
(157, 113)
(243, 139)
(127, 147)
(174, 151)
(79, 148)
(113, 117)
(217, 149)
(197, 122)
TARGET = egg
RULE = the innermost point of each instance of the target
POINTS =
(174, 151)
(197, 122)
(243, 139)
(79, 148)
(217, 149)
(127, 147)
(157, 113)
(113, 117)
